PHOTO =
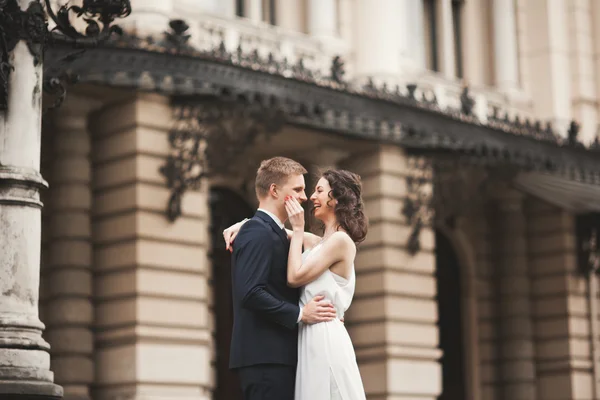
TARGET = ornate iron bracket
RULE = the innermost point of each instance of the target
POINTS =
(209, 134)
(587, 226)
(31, 26)
(590, 247)
(440, 190)
(418, 209)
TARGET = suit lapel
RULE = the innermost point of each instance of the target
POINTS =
(280, 232)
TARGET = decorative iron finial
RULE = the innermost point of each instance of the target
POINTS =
(466, 102)
(177, 38)
(573, 132)
(412, 88)
(337, 70)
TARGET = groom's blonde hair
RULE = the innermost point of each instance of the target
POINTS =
(275, 170)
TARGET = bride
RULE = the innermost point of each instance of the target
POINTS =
(327, 368)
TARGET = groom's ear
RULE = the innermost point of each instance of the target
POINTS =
(274, 190)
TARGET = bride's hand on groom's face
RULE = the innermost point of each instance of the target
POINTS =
(318, 310)
(295, 213)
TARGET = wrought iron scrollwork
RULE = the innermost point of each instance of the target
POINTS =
(590, 247)
(440, 190)
(56, 87)
(207, 138)
(417, 208)
(588, 251)
(31, 26)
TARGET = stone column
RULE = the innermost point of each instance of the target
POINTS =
(506, 61)
(416, 35)
(24, 358)
(393, 317)
(582, 59)
(548, 60)
(322, 18)
(67, 274)
(478, 63)
(516, 359)
(595, 9)
(151, 293)
(378, 37)
(446, 38)
(561, 314)
(290, 14)
(483, 378)
(253, 10)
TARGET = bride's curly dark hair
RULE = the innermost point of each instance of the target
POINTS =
(346, 188)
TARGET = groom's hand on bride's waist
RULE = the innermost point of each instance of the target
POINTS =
(318, 310)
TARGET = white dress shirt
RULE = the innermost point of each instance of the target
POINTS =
(280, 224)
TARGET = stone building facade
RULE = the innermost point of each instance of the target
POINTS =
(489, 300)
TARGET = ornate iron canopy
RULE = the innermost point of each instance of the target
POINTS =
(394, 115)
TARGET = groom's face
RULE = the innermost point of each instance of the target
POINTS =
(293, 187)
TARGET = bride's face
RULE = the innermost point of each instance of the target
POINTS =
(323, 205)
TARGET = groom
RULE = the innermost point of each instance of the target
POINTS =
(264, 342)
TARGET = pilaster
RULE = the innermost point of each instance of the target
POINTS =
(393, 318)
(153, 318)
(515, 340)
(561, 311)
(67, 270)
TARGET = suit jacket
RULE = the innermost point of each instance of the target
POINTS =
(265, 308)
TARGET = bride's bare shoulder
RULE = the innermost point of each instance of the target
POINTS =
(341, 238)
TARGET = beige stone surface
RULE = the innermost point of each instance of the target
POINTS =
(393, 317)
(151, 292)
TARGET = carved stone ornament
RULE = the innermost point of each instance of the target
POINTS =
(207, 137)
(31, 26)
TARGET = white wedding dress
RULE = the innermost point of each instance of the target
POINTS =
(327, 368)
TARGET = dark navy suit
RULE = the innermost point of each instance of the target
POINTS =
(264, 344)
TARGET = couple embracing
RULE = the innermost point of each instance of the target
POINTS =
(291, 288)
